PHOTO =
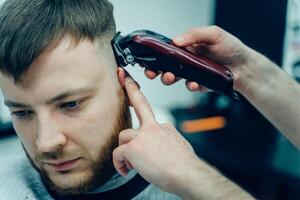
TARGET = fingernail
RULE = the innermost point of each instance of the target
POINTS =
(129, 80)
(179, 39)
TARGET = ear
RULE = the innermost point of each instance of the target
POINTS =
(121, 76)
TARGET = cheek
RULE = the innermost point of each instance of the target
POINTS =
(95, 126)
(27, 134)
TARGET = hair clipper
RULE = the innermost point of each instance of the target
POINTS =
(157, 52)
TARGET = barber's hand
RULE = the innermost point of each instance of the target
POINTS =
(214, 43)
(158, 152)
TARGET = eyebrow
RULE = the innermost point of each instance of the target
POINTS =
(58, 97)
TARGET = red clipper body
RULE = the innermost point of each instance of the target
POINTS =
(157, 52)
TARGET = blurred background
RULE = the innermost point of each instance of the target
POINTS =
(231, 135)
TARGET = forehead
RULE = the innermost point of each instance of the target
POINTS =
(66, 59)
(66, 66)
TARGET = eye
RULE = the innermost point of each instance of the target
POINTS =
(22, 114)
(72, 105)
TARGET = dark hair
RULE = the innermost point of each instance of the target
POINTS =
(28, 27)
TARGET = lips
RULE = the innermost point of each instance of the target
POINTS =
(62, 165)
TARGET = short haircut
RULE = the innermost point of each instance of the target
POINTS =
(28, 27)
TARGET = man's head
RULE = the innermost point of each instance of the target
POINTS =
(58, 77)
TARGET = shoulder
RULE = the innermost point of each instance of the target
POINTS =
(11, 174)
(11, 165)
(18, 178)
(152, 192)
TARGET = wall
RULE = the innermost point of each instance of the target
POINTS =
(168, 17)
(291, 56)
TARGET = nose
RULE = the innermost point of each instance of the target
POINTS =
(50, 136)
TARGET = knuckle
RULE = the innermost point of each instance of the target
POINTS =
(167, 125)
(217, 30)
(115, 152)
(152, 127)
(194, 30)
(123, 135)
(132, 85)
(124, 132)
(193, 33)
(147, 109)
(133, 146)
(136, 95)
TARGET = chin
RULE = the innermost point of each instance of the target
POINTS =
(66, 180)
(71, 183)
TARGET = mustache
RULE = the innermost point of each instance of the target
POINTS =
(61, 155)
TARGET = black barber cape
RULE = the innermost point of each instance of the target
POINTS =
(128, 190)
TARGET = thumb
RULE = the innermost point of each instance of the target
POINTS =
(120, 160)
(207, 35)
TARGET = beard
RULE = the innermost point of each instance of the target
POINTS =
(102, 168)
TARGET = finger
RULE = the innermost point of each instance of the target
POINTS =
(128, 165)
(169, 78)
(169, 126)
(151, 74)
(194, 86)
(209, 35)
(126, 136)
(139, 102)
(122, 74)
(119, 160)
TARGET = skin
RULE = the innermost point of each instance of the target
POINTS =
(157, 151)
(271, 90)
(68, 106)
(164, 158)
